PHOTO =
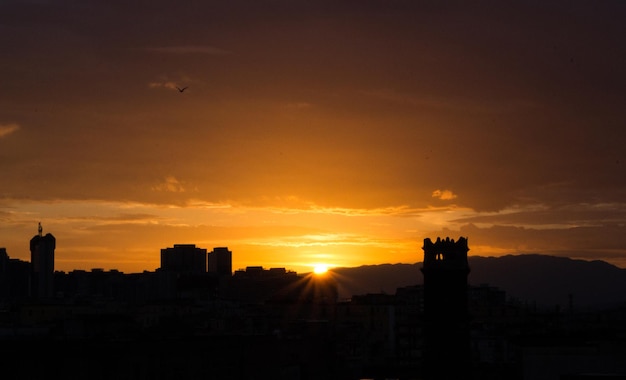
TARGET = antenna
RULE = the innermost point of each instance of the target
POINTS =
(40, 229)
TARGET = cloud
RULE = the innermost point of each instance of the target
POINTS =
(171, 82)
(171, 185)
(7, 129)
(444, 195)
(553, 217)
(190, 49)
(167, 84)
(124, 218)
(299, 105)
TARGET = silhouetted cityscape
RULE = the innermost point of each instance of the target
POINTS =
(194, 317)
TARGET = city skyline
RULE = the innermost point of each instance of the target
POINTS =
(333, 133)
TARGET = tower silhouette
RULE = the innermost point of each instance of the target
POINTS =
(42, 264)
(446, 317)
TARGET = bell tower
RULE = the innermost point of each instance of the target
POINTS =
(446, 316)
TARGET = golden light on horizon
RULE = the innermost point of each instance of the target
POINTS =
(320, 268)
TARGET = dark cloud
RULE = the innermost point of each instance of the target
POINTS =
(569, 216)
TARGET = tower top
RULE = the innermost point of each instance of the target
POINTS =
(445, 250)
(40, 230)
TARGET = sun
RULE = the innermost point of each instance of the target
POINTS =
(320, 268)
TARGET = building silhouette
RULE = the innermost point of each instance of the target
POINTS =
(447, 353)
(221, 261)
(14, 278)
(42, 265)
(184, 258)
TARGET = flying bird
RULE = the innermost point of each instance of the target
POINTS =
(181, 89)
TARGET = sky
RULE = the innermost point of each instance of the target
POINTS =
(339, 132)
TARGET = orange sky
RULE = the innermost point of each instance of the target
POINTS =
(337, 132)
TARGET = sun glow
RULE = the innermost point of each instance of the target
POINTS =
(320, 268)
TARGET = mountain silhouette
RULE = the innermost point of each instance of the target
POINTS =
(541, 280)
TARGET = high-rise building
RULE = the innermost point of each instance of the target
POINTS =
(184, 258)
(447, 353)
(42, 264)
(221, 261)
